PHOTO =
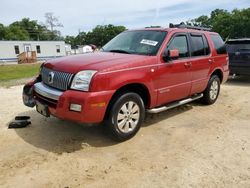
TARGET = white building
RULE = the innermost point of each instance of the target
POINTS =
(82, 49)
(9, 50)
(85, 49)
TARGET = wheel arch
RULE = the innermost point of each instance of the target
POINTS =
(138, 88)
(219, 73)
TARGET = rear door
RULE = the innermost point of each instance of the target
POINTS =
(201, 61)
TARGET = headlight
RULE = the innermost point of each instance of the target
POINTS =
(82, 80)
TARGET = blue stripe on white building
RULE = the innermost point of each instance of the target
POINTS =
(9, 50)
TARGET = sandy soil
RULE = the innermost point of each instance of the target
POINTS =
(189, 146)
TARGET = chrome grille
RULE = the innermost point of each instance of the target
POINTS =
(61, 80)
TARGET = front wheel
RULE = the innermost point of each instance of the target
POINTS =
(212, 91)
(126, 115)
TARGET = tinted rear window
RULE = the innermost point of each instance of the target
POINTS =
(219, 44)
(237, 46)
(199, 45)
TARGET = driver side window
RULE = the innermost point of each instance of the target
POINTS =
(180, 43)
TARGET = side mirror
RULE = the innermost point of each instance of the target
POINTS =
(171, 54)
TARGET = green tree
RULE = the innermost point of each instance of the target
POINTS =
(16, 33)
(100, 35)
(2, 32)
(80, 38)
(35, 31)
(27, 29)
(234, 24)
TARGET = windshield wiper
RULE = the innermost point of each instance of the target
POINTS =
(119, 51)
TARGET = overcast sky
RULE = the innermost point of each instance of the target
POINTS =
(84, 15)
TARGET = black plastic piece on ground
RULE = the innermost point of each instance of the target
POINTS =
(22, 118)
(19, 124)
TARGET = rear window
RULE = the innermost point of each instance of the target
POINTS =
(237, 46)
(219, 44)
(199, 45)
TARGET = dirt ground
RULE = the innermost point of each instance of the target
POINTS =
(189, 146)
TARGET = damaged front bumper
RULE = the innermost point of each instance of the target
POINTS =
(28, 93)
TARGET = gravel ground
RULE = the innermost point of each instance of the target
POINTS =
(189, 146)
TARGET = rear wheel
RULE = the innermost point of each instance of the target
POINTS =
(126, 115)
(212, 91)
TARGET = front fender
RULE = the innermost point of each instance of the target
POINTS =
(118, 79)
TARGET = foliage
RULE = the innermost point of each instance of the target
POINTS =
(27, 29)
(99, 36)
(16, 33)
(2, 31)
(235, 24)
(52, 21)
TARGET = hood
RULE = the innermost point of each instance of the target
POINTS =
(99, 61)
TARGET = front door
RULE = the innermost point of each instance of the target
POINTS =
(174, 80)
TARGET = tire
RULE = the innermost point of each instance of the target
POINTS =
(126, 116)
(212, 91)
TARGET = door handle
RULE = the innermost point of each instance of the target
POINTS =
(188, 64)
(210, 61)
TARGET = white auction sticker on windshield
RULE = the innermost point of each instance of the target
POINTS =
(149, 42)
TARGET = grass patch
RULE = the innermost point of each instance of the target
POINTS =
(13, 72)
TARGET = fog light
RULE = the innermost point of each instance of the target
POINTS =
(75, 107)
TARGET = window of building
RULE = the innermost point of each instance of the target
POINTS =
(38, 49)
(58, 48)
(219, 44)
(180, 43)
(17, 50)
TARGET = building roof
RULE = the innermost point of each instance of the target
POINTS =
(20, 41)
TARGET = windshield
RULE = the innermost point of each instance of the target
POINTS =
(136, 42)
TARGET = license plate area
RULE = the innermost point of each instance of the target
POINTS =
(42, 109)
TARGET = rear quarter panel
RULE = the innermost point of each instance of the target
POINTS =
(220, 61)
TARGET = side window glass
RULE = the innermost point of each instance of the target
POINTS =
(180, 43)
(198, 47)
(219, 44)
(207, 48)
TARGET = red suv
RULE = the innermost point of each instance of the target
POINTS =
(145, 70)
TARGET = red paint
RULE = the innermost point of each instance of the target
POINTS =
(174, 53)
(89, 114)
(165, 81)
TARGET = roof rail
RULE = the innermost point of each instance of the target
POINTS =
(183, 25)
(153, 26)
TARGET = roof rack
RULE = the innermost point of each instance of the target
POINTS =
(182, 25)
(153, 26)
